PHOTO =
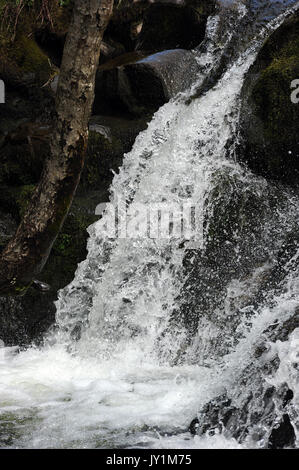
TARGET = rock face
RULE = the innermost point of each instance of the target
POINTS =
(269, 118)
(140, 86)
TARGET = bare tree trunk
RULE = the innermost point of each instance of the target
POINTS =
(26, 254)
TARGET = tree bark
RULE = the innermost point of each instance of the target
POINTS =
(26, 254)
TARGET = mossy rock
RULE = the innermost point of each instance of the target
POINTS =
(269, 118)
(24, 63)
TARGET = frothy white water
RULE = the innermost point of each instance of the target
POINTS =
(106, 377)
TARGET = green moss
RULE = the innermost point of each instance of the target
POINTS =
(62, 243)
(29, 56)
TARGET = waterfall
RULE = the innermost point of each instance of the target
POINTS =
(151, 329)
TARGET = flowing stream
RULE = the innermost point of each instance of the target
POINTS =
(143, 338)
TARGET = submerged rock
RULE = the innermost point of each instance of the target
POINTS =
(269, 117)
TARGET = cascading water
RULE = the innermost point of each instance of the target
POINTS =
(152, 329)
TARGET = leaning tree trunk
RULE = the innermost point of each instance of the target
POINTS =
(25, 255)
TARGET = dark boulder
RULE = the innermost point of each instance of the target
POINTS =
(126, 22)
(269, 117)
(170, 25)
(140, 85)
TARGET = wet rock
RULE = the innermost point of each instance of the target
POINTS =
(283, 434)
(258, 417)
(263, 11)
(41, 286)
(140, 85)
(269, 118)
(283, 329)
(255, 411)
